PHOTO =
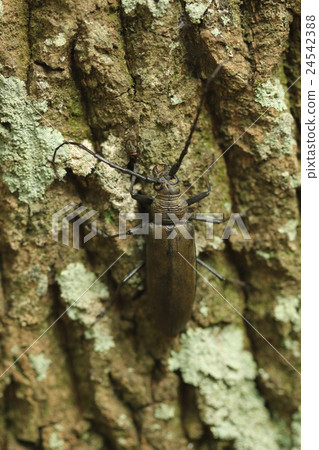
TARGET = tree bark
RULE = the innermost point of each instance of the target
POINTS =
(99, 72)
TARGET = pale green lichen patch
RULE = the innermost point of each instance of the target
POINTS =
(40, 364)
(271, 95)
(157, 8)
(82, 292)
(112, 180)
(15, 350)
(26, 147)
(42, 286)
(228, 207)
(290, 229)
(229, 51)
(175, 100)
(215, 32)
(1, 9)
(58, 41)
(293, 346)
(164, 412)
(103, 341)
(288, 310)
(196, 9)
(215, 361)
(80, 286)
(262, 254)
(279, 140)
(224, 12)
(41, 280)
(55, 442)
(204, 310)
(216, 243)
(218, 354)
(295, 180)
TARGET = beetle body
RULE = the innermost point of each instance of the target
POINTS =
(171, 281)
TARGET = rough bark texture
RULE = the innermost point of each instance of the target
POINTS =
(95, 71)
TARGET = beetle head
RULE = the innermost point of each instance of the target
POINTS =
(166, 184)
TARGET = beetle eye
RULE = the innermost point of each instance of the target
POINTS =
(158, 186)
(160, 167)
(173, 181)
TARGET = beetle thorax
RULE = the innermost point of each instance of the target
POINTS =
(168, 200)
(173, 204)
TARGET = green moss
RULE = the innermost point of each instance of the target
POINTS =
(271, 95)
(215, 361)
(40, 364)
(109, 216)
(288, 310)
(26, 147)
(164, 412)
(79, 286)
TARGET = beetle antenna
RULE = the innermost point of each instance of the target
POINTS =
(176, 166)
(100, 158)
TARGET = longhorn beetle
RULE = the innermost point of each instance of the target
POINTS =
(171, 280)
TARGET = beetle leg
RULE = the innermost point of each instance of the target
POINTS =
(213, 220)
(128, 232)
(142, 199)
(218, 275)
(213, 271)
(197, 198)
(209, 219)
(128, 277)
(106, 236)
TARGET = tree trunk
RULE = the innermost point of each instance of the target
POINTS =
(99, 73)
